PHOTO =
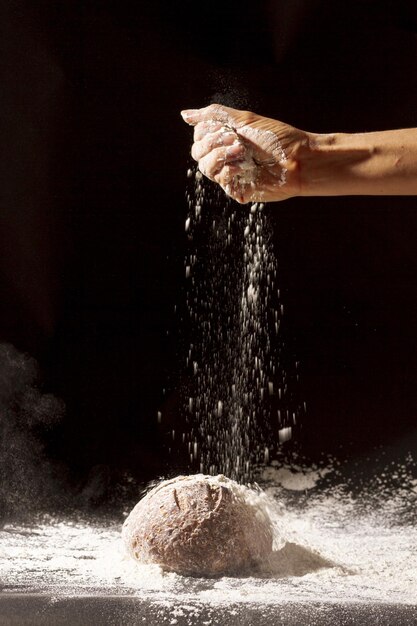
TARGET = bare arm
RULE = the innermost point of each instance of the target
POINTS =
(260, 159)
(381, 163)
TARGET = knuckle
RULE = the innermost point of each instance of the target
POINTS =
(208, 174)
(212, 108)
(210, 143)
(199, 131)
(194, 152)
(202, 169)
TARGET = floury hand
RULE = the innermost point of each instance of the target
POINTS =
(253, 158)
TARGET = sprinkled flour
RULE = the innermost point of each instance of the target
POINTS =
(238, 402)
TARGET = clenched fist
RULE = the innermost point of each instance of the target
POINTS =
(253, 158)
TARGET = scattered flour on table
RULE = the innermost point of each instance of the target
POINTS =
(294, 480)
(336, 546)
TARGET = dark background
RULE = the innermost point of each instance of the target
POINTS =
(94, 157)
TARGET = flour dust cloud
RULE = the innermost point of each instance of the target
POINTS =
(238, 400)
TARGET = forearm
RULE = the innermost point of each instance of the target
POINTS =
(380, 163)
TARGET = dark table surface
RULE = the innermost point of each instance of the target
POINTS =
(38, 610)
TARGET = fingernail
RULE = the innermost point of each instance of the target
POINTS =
(189, 114)
(234, 151)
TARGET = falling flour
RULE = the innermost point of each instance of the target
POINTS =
(237, 400)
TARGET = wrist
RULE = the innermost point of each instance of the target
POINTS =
(318, 160)
(342, 164)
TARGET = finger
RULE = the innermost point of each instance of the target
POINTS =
(190, 116)
(237, 195)
(229, 174)
(241, 193)
(203, 128)
(213, 140)
(213, 162)
(237, 186)
(234, 190)
(269, 150)
(216, 112)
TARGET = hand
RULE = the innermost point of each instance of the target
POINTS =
(253, 158)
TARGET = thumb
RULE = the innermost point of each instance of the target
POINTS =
(216, 113)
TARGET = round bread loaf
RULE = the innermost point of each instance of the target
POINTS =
(200, 526)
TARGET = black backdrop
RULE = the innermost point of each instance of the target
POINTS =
(94, 156)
